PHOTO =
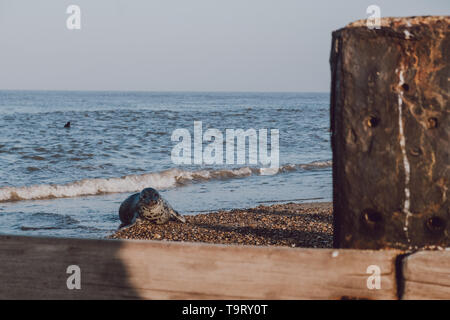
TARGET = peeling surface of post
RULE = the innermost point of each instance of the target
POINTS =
(390, 133)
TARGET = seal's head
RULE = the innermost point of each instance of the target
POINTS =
(151, 206)
(149, 197)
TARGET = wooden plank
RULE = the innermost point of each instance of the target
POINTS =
(427, 275)
(35, 268)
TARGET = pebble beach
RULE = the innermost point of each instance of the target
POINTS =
(306, 225)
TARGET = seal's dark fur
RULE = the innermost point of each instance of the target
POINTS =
(148, 205)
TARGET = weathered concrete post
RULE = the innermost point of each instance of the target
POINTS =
(390, 133)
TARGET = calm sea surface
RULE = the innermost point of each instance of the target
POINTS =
(70, 182)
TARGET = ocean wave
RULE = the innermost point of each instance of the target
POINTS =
(132, 183)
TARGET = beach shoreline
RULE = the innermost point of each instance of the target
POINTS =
(307, 225)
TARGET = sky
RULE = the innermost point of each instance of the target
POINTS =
(180, 45)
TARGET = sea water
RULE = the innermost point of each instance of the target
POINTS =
(64, 182)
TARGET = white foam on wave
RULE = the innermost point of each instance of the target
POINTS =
(133, 183)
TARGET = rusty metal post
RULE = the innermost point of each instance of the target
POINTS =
(390, 133)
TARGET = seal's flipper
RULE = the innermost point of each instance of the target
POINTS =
(178, 216)
(172, 212)
(134, 221)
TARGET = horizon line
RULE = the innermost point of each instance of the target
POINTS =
(157, 91)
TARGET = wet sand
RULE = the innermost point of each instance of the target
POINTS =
(294, 225)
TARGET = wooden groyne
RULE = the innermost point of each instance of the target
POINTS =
(37, 268)
(390, 133)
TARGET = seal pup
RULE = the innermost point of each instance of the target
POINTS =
(147, 205)
(67, 125)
